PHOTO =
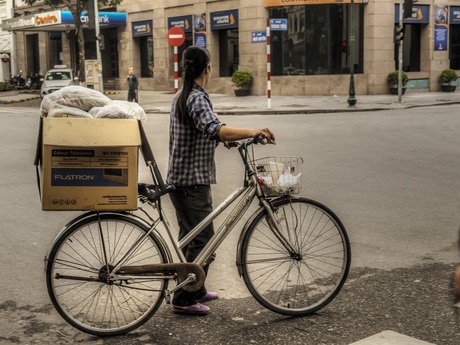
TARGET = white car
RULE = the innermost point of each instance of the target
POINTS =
(57, 78)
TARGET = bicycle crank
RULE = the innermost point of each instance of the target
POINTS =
(183, 271)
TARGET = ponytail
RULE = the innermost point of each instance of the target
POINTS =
(194, 61)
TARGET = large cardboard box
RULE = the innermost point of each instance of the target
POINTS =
(89, 164)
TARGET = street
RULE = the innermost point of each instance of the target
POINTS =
(392, 177)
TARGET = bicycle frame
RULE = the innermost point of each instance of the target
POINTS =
(245, 194)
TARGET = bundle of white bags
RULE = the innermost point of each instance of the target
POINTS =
(280, 177)
(79, 101)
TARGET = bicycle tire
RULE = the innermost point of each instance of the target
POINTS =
(300, 283)
(97, 307)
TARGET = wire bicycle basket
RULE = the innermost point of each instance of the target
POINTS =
(279, 175)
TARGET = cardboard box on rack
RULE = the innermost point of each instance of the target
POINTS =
(89, 164)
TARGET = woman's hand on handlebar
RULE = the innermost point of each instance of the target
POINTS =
(263, 133)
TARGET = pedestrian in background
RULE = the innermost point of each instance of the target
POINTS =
(195, 131)
(133, 83)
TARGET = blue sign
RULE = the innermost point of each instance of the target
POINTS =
(278, 24)
(184, 22)
(440, 27)
(105, 18)
(224, 20)
(454, 16)
(142, 28)
(200, 39)
(259, 37)
(420, 15)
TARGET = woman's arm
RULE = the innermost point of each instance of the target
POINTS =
(231, 134)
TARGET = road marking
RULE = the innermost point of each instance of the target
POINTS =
(390, 338)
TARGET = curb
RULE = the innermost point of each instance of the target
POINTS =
(314, 111)
(18, 100)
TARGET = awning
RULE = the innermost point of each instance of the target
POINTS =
(59, 21)
(282, 3)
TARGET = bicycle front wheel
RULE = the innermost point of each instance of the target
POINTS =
(304, 276)
(78, 283)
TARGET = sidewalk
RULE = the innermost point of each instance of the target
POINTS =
(160, 102)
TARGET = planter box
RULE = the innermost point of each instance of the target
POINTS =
(241, 92)
(394, 90)
(448, 88)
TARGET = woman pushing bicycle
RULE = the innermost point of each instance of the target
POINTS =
(195, 131)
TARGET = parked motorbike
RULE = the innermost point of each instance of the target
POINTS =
(34, 81)
(17, 81)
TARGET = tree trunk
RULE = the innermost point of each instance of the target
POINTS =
(80, 70)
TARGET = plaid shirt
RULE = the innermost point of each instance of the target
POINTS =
(192, 144)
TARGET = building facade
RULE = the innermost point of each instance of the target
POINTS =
(314, 44)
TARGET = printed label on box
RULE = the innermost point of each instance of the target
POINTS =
(88, 177)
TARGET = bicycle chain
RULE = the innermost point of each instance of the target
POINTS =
(134, 288)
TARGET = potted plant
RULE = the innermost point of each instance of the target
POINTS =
(243, 81)
(392, 81)
(446, 78)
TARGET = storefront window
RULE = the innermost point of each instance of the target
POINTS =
(143, 33)
(316, 40)
(228, 52)
(411, 48)
(225, 24)
(146, 49)
(455, 47)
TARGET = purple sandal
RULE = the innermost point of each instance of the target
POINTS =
(195, 309)
(211, 295)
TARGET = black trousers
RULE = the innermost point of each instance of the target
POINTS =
(132, 96)
(192, 205)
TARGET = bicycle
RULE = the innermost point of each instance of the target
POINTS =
(108, 272)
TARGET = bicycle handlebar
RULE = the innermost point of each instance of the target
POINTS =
(242, 143)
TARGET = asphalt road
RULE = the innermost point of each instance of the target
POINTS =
(391, 176)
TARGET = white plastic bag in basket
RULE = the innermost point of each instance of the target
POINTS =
(287, 180)
(276, 170)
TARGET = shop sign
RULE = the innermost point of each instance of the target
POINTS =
(224, 20)
(184, 22)
(142, 28)
(18, 23)
(278, 24)
(420, 15)
(48, 18)
(454, 15)
(5, 57)
(277, 3)
(105, 18)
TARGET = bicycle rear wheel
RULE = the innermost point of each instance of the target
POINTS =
(76, 275)
(303, 281)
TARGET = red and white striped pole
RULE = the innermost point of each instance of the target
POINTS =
(269, 68)
(176, 69)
